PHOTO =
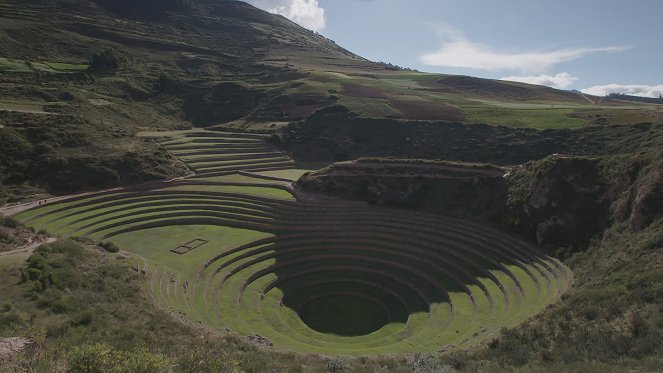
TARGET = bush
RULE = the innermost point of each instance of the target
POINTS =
(428, 363)
(8, 222)
(336, 365)
(101, 358)
(110, 247)
(109, 59)
(56, 265)
(90, 359)
(6, 235)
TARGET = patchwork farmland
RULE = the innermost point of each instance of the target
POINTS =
(233, 246)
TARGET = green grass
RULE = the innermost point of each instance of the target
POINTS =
(213, 164)
(533, 118)
(249, 190)
(235, 178)
(155, 244)
(13, 65)
(532, 104)
(246, 311)
(384, 283)
(111, 300)
(343, 315)
(66, 67)
(370, 107)
(96, 312)
(23, 106)
(50, 67)
(198, 157)
(285, 174)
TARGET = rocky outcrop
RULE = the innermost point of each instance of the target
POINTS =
(560, 201)
(458, 189)
(647, 205)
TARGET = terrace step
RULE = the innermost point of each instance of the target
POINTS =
(436, 280)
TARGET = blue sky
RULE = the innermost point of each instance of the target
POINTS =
(598, 46)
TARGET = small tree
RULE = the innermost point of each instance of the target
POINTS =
(109, 59)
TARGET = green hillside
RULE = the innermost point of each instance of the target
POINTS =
(202, 186)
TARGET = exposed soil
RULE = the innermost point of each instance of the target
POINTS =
(255, 338)
(29, 248)
(12, 346)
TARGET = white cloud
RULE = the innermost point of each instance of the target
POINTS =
(559, 81)
(457, 51)
(633, 90)
(307, 13)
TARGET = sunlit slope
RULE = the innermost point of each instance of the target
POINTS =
(228, 63)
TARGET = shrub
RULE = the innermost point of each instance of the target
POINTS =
(109, 59)
(6, 235)
(90, 359)
(165, 84)
(110, 247)
(142, 361)
(55, 265)
(336, 365)
(34, 274)
(8, 222)
(101, 358)
(428, 363)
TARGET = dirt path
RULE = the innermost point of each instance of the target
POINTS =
(15, 209)
(588, 99)
(29, 248)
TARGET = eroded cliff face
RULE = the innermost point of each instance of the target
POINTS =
(567, 201)
(557, 202)
(646, 198)
(560, 201)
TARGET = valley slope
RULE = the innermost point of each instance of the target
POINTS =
(274, 192)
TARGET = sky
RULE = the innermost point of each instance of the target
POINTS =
(597, 46)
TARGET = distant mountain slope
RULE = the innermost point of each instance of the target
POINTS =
(224, 30)
(186, 47)
(104, 70)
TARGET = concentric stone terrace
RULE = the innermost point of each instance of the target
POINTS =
(313, 274)
(362, 280)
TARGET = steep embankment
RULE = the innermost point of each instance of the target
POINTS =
(559, 201)
(336, 134)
